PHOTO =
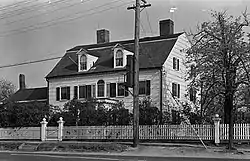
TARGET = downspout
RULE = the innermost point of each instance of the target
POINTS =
(47, 91)
(161, 86)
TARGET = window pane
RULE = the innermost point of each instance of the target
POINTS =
(119, 58)
(108, 90)
(142, 87)
(82, 91)
(174, 63)
(64, 93)
(121, 91)
(100, 92)
(174, 89)
(83, 62)
(93, 91)
(148, 90)
(68, 93)
(75, 92)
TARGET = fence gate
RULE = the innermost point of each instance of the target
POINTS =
(52, 133)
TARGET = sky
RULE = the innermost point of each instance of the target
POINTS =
(39, 29)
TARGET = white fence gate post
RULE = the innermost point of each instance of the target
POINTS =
(216, 120)
(43, 129)
(60, 128)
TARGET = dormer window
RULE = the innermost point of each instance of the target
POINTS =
(119, 58)
(83, 62)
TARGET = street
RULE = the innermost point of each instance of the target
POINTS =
(15, 156)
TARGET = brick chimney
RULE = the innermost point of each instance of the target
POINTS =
(102, 36)
(166, 27)
(22, 81)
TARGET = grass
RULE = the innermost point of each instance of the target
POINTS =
(83, 147)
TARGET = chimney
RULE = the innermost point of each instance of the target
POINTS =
(102, 36)
(166, 27)
(22, 81)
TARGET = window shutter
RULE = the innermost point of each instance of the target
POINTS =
(178, 63)
(93, 90)
(108, 90)
(57, 93)
(112, 89)
(68, 93)
(148, 90)
(178, 90)
(88, 91)
(75, 92)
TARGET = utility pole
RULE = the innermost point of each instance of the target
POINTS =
(136, 70)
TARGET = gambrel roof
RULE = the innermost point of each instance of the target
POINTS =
(153, 53)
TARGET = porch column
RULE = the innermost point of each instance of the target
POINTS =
(216, 120)
(43, 129)
(60, 128)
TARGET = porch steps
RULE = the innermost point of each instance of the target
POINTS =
(29, 146)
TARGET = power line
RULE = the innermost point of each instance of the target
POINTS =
(29, 62)
(54, 21)
(17, 4)
(45, 13)
(21, 11)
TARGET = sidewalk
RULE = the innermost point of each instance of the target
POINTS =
(159, 150)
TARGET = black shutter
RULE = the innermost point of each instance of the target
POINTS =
(148, 90)
(178, 63)
(57, 93)
(88, 91)
(75, 92)
(178, 90)
(68, 93)
(112, 89)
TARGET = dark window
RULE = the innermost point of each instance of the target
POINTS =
(119, 58)
(88, 92)
(121, 90)
(112, 89)
(176, 63)
(65, 93)
(75, 92)
(82, 91)
(144, 87)
(83, 62)
(100, 88)
(58, 94)
(176, 90)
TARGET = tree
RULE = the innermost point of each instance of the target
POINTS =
(7, 88)
(220, 54)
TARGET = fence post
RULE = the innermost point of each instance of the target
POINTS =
(43, 129)
(60, 128)
(216, 120)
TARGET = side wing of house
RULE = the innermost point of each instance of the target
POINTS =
(174, 72)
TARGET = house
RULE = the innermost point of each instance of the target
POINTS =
(98, 70)
(29, 95)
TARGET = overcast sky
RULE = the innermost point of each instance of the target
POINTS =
(38, 29)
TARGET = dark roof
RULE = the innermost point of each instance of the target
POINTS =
(30, 94)
(153, 53)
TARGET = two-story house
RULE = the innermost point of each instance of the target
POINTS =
(98, 70)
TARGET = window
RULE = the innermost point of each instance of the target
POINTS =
(119, 58)
(176, 63)
(83, 62)
(121, 89)
(62, 93)
(100, 88)
(112, 89)
(176, 90)
(85, 91)
(75, 92)
(144, 87)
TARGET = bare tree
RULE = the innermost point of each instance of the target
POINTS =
(221, 58)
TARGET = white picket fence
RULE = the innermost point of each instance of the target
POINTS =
(241, 131)
(146, 132)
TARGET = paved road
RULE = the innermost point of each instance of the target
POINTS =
(60, 157)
